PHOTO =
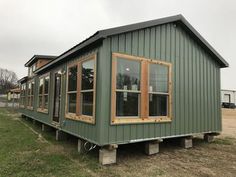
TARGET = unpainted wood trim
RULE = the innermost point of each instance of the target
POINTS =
(113, 89)
(94, 87)
(79, 78)
(126, 120)
(132, 57)
(78, 116)
(73, 64)
(144, 90)
(83, 118)
(43, 101)
(170, 101)
(144, 117)
(42, 110)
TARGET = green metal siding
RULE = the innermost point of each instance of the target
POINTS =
(196, 88)
(196, 84)
(81, 129)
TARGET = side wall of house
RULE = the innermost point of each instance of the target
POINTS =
(81, 129)
(195, 77)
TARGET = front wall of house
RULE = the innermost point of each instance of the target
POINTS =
(195, 78)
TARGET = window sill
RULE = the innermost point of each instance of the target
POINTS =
(82, 118)
(45, 111)
(30, 108)
(132, 120)
(22, 106)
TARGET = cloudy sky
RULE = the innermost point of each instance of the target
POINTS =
(29, 27)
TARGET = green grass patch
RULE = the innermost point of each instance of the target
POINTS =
(224, 141)
(23, 154)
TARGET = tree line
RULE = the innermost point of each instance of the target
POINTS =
(8, 80)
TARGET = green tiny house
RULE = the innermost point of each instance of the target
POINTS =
(142, 82)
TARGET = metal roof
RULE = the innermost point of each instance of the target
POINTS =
(35, 57)
(23, 79)
(102, 34)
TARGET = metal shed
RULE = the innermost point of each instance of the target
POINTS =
(142, 82)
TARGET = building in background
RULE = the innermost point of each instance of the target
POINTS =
(228, 98)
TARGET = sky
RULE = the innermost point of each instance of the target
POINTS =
(50, 27)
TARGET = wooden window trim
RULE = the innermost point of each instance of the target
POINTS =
(78, 116)
(30, 96)
(23, 96)
(144, 84)
(69, 114)
(43, 109)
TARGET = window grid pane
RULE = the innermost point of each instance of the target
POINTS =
(72, 102)
(87, 103)
(87, 86)
(87, 75)
(72, 78)
(128, 74)
(158, 78)
(125, 101)
(46, 85)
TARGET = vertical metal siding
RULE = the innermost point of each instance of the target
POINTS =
(78, 128)
(196, 87)
(196, 83)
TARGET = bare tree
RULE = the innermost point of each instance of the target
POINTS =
(8, 80)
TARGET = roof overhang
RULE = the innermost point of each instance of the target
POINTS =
(36, 57)
(23, 79)
(100, 35)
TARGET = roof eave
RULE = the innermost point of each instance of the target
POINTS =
(36, 57)
(96, 37)
(123, 29)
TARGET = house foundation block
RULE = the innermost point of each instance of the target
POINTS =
(187, 142)
(60, 135)
(81, 148)
(152, 147)
(107, 155)
(208, 138)
(46, 128)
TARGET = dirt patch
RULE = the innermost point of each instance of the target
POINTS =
(229, 122)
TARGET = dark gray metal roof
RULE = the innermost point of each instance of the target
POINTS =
(102, 34)
(23, 79)
(35, 57)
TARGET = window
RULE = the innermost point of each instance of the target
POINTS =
(72, 89)
(158, 90)
(43, 100)
(30, 96)
(22, 95)
(31, 70)
(141, 90)
(33, 67)
(128, 87)
(87, 86)
(81, 89)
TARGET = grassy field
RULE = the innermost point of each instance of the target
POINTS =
(26, 151)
